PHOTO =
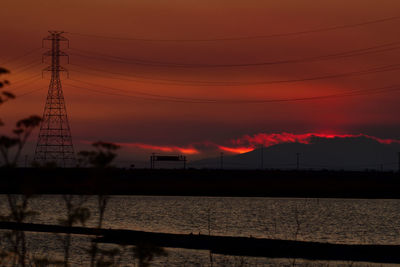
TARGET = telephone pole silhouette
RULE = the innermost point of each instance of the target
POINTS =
(398, 155)
(298, 161)
(262, 156)
(54, 142)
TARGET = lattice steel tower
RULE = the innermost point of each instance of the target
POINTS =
(54, 142)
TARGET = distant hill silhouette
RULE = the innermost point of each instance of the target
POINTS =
(339, 153)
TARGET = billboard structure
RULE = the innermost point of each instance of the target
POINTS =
(166, 158)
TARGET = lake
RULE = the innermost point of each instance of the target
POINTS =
(347, 221)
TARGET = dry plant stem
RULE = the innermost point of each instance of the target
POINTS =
(102, 201)
(19, 212)
(74, 214)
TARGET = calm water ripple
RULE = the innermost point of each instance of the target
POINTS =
(351, 221)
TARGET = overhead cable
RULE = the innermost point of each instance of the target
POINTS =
(350, 53)
(239, 38)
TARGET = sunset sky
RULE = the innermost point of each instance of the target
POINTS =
(168, 76)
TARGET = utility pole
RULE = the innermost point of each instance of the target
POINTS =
(152, 160)
(55, 142)
(262, 157)
(298, 160)
(222, 160)
(399, 161)
(184, 162)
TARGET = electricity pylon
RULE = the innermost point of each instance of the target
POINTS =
(54, 143)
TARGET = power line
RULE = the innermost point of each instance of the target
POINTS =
(350, 53)
(132, 96)
(24, 79)
(113, 78)
(374, 70)
(165, 98)
(349, 93)
(29, 92)
(276, 35)
(25, 67)
(163, 81)
(21, 56)
(21, 83)
(137, 92)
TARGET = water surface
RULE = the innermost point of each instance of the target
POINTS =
(347, 221)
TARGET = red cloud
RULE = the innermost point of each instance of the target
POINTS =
(236, 150)
(248, 143)
(184, 150)
(279, 138)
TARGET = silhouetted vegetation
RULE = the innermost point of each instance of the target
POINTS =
(18, 204)
(17, 142)
(5, 95)
(19, 212)
(21, 133)
(101, 157)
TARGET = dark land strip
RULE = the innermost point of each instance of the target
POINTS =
(193, 182)
(228, 245)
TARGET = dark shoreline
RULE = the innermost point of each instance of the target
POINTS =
(192, 182)
(227, 245)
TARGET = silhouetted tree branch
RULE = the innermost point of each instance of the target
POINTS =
(5, 95)
(76, 212)
(22, 131)
(18, 205)
(102, 157)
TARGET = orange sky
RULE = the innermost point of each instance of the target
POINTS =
(125, 119)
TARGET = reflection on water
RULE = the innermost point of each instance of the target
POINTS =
(349, 221)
